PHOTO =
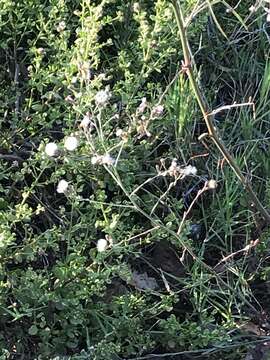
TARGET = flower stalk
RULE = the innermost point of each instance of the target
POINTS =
(208, 116)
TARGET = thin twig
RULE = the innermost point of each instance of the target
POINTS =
(229, 107)
(246, 249)
(199, 193)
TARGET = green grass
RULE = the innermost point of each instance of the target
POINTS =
(171, 276)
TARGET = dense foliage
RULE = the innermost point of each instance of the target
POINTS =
(115, 219)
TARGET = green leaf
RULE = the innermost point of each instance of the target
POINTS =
(33, 330)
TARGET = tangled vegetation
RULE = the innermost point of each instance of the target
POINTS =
(124, 233)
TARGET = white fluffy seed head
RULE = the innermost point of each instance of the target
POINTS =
(62, 187)
(102, 245)
(71, 143)
(51, 149)
(102, 97)
(190, 170)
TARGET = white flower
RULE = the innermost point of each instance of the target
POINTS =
(51, 149)
(102, 245)
(119, 132)
(102, 97)
(136, 7)
(189, 170)
(61, 26)
(62, 187)
(85, 122)
(94, 160)
(41, 51)
(71, 143)
(157, 111)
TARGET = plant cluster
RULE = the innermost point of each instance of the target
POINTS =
(121, 233)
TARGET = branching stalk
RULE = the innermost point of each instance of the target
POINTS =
(208, 115)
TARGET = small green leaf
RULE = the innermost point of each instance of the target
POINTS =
(33, 330)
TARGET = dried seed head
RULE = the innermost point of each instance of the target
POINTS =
(142, 128)
(157, 111)
(86, 121)
(211, 184)
(122, 134)
(189, 170)
(143, 105)
(174, 168)
(84, 70)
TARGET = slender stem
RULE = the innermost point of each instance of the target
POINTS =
(208, 116)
